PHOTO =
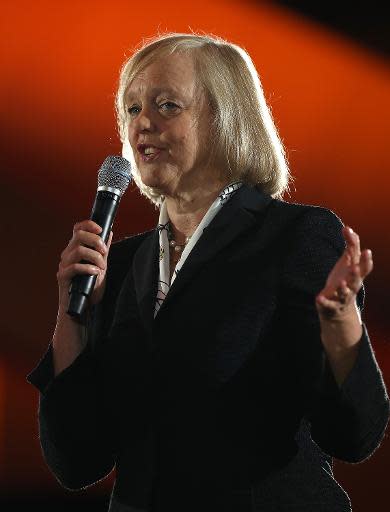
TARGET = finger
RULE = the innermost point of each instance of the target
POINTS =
(357, 253)
(344, 293)
(88, 239)
(87, 225)
(353, 244)
(109, 240)
(366, 263)
(67, 273)
(327, 306)
(347, 256)
(354, 279)
(84, 254)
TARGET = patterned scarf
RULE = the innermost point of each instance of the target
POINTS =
(164, 281)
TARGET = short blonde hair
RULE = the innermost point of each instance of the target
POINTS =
(244, 135)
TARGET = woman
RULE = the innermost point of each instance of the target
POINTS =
(223, 362)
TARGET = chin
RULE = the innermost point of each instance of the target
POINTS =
(151, 178)
(157, 177)
(151, 181)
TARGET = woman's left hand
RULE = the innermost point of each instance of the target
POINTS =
(337, 300)
(340, 321)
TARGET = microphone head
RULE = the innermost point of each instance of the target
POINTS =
(115, 172)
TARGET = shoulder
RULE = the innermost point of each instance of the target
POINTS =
(292, 225)
(122, 251)
(305, 212)
(121, 256)
(309, 222)
(311, 246)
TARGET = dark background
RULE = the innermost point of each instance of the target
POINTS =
(326, 75)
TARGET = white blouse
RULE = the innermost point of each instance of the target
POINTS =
(164, 280)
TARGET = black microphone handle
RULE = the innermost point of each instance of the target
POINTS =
(103, 213)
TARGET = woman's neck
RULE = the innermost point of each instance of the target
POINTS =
(186, 211)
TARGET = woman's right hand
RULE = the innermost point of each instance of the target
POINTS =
(86, 245)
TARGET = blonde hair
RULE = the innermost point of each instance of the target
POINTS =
(244, 135)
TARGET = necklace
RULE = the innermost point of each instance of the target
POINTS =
(172, 242)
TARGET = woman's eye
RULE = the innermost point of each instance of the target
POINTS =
(133, 110)
(169, 106)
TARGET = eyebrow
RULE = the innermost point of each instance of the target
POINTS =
(155, 92)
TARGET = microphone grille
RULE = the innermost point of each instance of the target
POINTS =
(115, 172)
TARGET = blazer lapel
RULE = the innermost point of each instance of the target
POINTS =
(238, 215)
(145, 273)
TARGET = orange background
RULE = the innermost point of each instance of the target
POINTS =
(60, 62)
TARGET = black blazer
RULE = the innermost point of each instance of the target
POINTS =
(225, 401)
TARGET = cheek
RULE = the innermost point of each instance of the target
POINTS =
(183, 141)
(131, 136)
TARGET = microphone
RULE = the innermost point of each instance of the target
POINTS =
(114, 177)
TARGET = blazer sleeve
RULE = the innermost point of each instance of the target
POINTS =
(348, 421)
(76, 430)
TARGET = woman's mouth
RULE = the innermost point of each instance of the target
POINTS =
(148, 152)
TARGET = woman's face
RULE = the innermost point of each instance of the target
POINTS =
(169, 126)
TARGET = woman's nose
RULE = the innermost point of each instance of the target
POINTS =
(145, 120)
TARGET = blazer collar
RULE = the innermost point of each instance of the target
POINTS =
(238, 215)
